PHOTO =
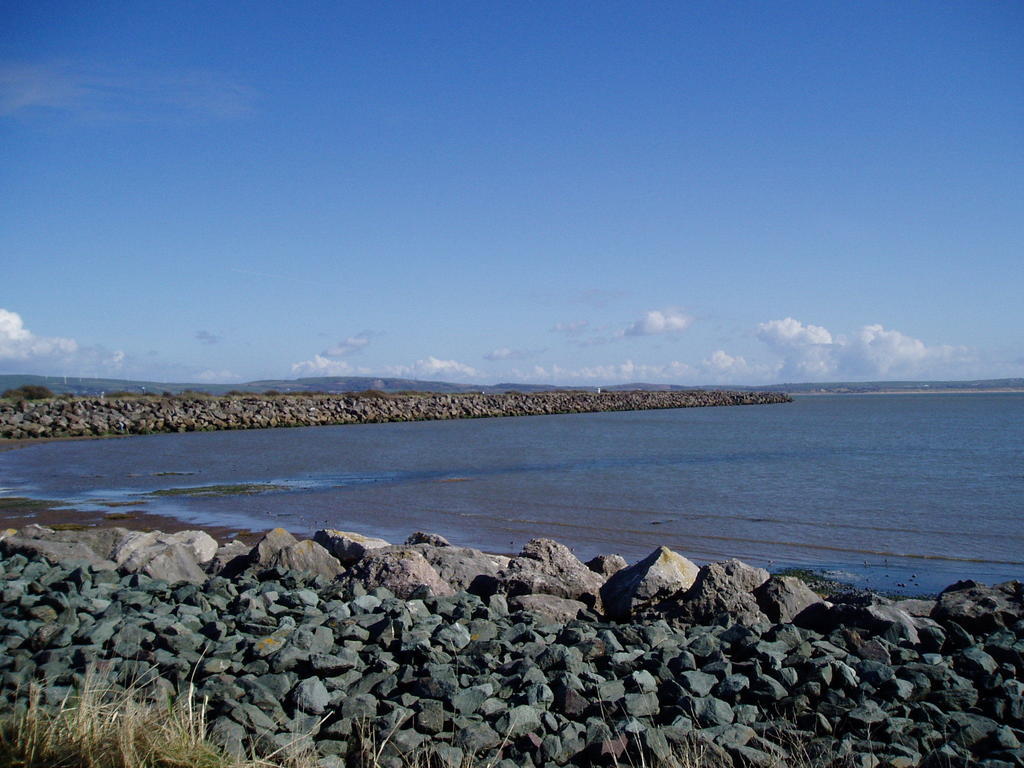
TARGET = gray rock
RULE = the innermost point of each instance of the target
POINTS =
(980, 608)
(463, 568)
(430, 539)
(171, 557)
(721, 588)
(708, 711)
(659, 576)
(783, 598)
(551, 609)
(607, 565)
(269, 545)
(311, 696)
(404, 571)
(309, 557)
(549, 568)
(347, 546)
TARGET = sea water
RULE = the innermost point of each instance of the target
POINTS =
(905, 492)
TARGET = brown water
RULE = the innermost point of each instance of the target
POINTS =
(913, 490)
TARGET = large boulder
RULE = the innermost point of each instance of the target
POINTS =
(347, 546)
(309, 557)
(403, 570)
(874, 613)
(545, 567)
(659, 576)
(980, 608)
(783, 598)
(169, 556)
(550, 609)
(262, 553)
(272, 542)
(138, 546)
(720, 588)
(464, 568)
(65, 547)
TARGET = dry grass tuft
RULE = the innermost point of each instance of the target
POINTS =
(103, 727)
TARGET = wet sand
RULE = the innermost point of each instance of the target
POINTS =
(15, 515)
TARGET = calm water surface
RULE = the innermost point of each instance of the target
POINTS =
(914, 490)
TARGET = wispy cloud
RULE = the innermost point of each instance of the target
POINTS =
(505, 353)
(349, 345)
(207, 338)
(655, 322)
(572, 329)
(103, 93)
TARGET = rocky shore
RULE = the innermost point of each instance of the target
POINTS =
(452, 656)
(77, 417)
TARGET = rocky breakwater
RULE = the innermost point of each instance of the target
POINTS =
(432, 652)
(78, 417)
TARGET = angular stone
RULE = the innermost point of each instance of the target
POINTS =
(463, 568)
(547, 567)
(269, 545)
(721, 588)
(404, 571)
(659, 576)
(346, 546)
(311, 696)
(430, 539)
(708, 711)
(783, 598)
(607, 565)
(308, 557)
(551, 609)
(980, 608)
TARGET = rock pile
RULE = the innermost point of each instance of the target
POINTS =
(138, 416)
(429, 649)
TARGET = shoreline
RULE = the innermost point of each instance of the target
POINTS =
(61, 518)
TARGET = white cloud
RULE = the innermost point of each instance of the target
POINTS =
(349, 345)
(792, 333)
(322, 366)
(657, 322)
(19, 343)
(813, 353)
(807, 350)
(432, 366)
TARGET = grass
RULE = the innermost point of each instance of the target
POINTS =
(220, 490)
(105, 727)
(118, 516)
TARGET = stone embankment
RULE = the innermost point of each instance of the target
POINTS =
(431, 654)
(81, 417)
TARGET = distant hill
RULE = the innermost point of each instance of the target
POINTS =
(85, 386)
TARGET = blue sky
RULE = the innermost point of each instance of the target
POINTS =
(555, 192)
